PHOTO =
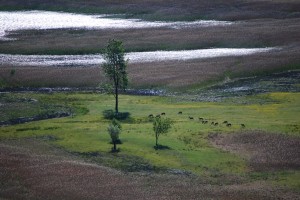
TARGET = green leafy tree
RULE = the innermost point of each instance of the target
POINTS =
(114, 130)
(160, 126)
(115, 68)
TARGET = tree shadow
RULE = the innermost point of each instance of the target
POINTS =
(115, 150)
(161, 147)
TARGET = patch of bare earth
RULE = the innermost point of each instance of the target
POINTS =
(264, 151)
(31, 169)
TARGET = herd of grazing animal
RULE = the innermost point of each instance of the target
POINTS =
(202, 120)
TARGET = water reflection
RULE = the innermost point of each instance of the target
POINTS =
(21, 20)
(134, 57)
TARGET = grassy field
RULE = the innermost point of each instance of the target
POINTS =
(189, 141)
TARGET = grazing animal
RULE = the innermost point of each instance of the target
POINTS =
(163, 113)
(180, 113)
(204, 122)
(243, 126)
(212, 123)
(225, 122)
(151, 115)
(201, 118)
(157, 116)
(216, 124)
(228, 125)
(191, 117)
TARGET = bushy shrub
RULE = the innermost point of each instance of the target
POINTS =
(110, 114)
(114, 130)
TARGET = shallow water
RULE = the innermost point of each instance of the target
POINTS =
(134, 57)
(21, 20)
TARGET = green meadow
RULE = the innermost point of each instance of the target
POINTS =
(190, 149)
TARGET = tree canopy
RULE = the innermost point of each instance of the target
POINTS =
(114, 68)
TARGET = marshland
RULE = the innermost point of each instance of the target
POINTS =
(226, 73)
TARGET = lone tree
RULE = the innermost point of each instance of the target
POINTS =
(114, 130)
(160, 126)
(115, 68)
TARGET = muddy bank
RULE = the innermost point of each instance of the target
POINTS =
(287, 81)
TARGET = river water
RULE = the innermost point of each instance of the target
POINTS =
(134, 57)
(22, 20)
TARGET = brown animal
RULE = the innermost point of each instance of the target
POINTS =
(163, 113)
(191, 117)
(228, 125)
(180, 112)
(243, 126)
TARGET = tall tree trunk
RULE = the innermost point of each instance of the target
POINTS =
(116, 94)
(117, 101)
(156, 141)
(115, 146)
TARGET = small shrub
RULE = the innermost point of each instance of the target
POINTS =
(160, 126)
(114, 130)
(110, 114)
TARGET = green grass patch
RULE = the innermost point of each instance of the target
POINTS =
(190, 150)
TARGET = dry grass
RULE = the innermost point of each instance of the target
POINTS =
(265, 152)
(51, 76)
(31, 169)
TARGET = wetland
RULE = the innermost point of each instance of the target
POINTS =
(225, 72)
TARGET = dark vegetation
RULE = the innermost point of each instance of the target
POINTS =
(111, 114)
(18, 109)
